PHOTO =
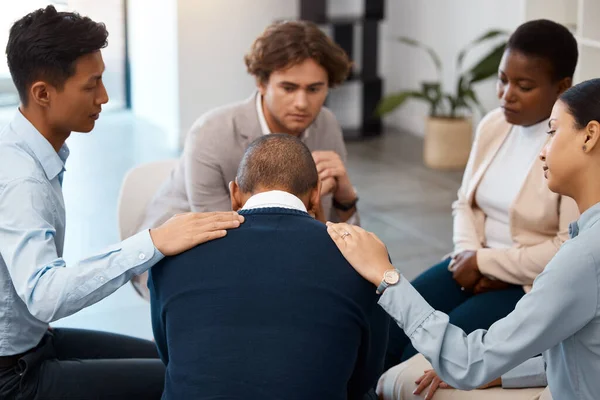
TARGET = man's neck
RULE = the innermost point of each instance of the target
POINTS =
(37, 119)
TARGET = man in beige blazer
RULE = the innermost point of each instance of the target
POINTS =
(294, 64)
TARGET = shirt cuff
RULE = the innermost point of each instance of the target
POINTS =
(140, 253)
(532, 373)
(405, 305)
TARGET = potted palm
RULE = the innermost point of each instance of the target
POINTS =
(448, 132)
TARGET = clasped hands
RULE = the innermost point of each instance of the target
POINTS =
(334, 180)
(465, 272)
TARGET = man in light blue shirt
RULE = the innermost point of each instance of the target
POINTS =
(56, 65)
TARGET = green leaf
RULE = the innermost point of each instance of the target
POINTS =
(460, 89)
(391, 102)
(486, 36)
(488, 66)
(429, 50)
(452, 102)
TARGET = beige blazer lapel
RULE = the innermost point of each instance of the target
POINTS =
(246, 123)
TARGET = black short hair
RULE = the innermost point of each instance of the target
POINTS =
(278, 161)
(44, 45)
(583, 102)
(550, 41)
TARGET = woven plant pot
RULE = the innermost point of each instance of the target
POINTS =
(447, 142)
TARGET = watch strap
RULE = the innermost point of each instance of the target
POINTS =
(382, 286)
(345, 206)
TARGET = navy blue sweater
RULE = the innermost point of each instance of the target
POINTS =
(271, 311)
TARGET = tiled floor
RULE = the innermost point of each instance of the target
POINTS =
(404, 203)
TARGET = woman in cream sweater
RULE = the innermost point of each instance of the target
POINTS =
(507, 223)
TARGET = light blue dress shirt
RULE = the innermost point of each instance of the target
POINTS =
(36, 287)
(530, 374)
(560, 318)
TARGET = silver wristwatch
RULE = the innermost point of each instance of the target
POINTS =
(390, 278)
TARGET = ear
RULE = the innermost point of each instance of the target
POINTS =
(40, 94)
(316, 210)
(261, 86)
(236, 196)
(564, 84)
(591, 136)
(315, 196)
(314, 199)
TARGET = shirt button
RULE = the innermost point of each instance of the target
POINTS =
(142, 256)
(102, 279)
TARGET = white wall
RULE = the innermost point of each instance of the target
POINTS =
(447, 26)
(111, 13)
(153, 60)
(561, 11)
(197, 63)
(214, 36)
(187, 55)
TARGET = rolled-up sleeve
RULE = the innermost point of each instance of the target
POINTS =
(540, 321)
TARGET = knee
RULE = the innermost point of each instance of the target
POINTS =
(399, 382)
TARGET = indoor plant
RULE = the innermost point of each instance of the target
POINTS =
(448, 133)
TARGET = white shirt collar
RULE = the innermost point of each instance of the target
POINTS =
(261, 115)
(264, 127)
(274, 198)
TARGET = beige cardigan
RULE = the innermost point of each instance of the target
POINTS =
(539, 219)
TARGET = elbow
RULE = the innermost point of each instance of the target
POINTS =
(44, 294)
(41, 313)
(459, 205)
(39, 307)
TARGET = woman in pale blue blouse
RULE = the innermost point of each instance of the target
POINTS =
(560, 317)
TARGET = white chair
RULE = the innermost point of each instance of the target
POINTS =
(139, 186)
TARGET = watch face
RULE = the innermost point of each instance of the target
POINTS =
(391, 277)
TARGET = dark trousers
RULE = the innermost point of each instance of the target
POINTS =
(467, 311)
(79, 364)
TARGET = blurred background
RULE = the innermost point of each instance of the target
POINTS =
(169, 61)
